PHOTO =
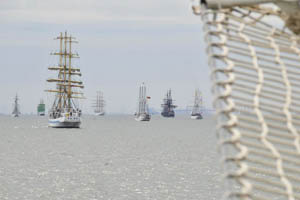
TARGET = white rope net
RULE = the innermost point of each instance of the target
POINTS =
(256, 83)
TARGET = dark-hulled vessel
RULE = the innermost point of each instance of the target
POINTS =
(168, 106)
(16, 111)
(41, 108)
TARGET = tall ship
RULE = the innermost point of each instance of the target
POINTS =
(65, 112)
(16, 110)
(41, 108)
(142, 113)
(99, 104)
(196, 112)
(168, 106)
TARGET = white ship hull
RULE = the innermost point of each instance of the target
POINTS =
(65, 112)
(143, 117)
(65, 122)
(196, 117)
(100, 114)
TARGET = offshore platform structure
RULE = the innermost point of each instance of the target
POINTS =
(254, 54)
(65, 112)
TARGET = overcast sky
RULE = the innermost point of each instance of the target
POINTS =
(121, 45)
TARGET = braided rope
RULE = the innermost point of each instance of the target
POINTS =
(256, 84)
(291, 128)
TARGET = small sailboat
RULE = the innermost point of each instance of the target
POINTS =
(65, 112)
(142, 113)
(196, 112)
(99, 104)
(41, 108)
(168, 106)
(16, 111)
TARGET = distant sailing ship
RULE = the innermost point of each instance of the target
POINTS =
(16, 111)
(99, 104)
(41, 108)
(142, 113)
(196, 112)
(64, 112)
(168, 106)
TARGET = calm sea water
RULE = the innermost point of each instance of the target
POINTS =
(111, 157)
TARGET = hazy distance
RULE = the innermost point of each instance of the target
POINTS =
(121, 45)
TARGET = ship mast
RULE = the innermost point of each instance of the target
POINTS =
(168, 101)
(197, 102)
(16, 110)
(99, 103)
(142, 99)
(64, 81)
(60, 71)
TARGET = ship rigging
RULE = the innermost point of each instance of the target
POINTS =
(196, 112)
(16, 111)
(168, 106)
(142, 113)
(65, 113)
(99, 104)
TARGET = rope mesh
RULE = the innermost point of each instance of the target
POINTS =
(256, 84)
